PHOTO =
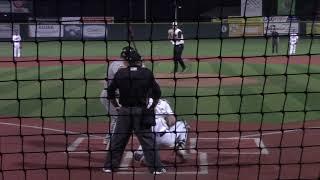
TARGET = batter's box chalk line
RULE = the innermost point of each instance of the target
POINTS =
(258, 142)
(202, 163)
(128, 158)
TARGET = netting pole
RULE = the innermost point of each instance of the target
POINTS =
(198, 165)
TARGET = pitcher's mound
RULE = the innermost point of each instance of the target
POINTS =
(199, 80)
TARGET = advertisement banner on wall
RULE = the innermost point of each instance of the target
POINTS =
(72, 31)
(46, 30)
(241, 27)
(286, 7)
(251, 8)
(7, 30)
(313, 28)
(95, 31)
(237, 30)
(282, 24)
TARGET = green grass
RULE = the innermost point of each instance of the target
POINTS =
(278, 94)
(203, 47)
(41, 93)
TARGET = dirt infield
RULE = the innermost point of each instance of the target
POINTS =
(199, 80)
(59, 150)
(56, 61)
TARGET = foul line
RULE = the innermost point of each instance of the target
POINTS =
(72, 147)
(250, 136)
(275, 132)
(100, 137)
(259, 143)
(49, 129)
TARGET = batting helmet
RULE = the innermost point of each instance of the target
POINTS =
(130, 54)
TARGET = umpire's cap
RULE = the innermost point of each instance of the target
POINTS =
(130, 54)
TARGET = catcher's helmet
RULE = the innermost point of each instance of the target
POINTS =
(130, 54)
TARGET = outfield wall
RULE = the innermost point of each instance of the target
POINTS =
(154, 32)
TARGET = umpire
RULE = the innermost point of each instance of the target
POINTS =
(135, 84)
(275, 39)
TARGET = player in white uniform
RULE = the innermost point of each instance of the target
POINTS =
(16, 38)
(176, 38)
(293, 43)
(169, 132)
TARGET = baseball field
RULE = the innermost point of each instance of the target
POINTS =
(253, 114)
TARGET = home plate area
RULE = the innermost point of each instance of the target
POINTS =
(205, 152)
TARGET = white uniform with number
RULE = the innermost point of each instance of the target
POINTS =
(293, 43)
(165, 135)
(175, 40)
(16, 45)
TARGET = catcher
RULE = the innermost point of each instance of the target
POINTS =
(169, 132)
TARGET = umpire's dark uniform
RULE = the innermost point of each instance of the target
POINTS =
(136, 84)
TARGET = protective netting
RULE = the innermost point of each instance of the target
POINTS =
(246, 105)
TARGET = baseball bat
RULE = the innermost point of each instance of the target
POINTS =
(131, 38)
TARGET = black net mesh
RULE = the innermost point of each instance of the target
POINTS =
(244, 107)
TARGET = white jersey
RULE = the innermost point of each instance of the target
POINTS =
(176, 40)
(16, 38)
(162, 110)
(294, 39)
